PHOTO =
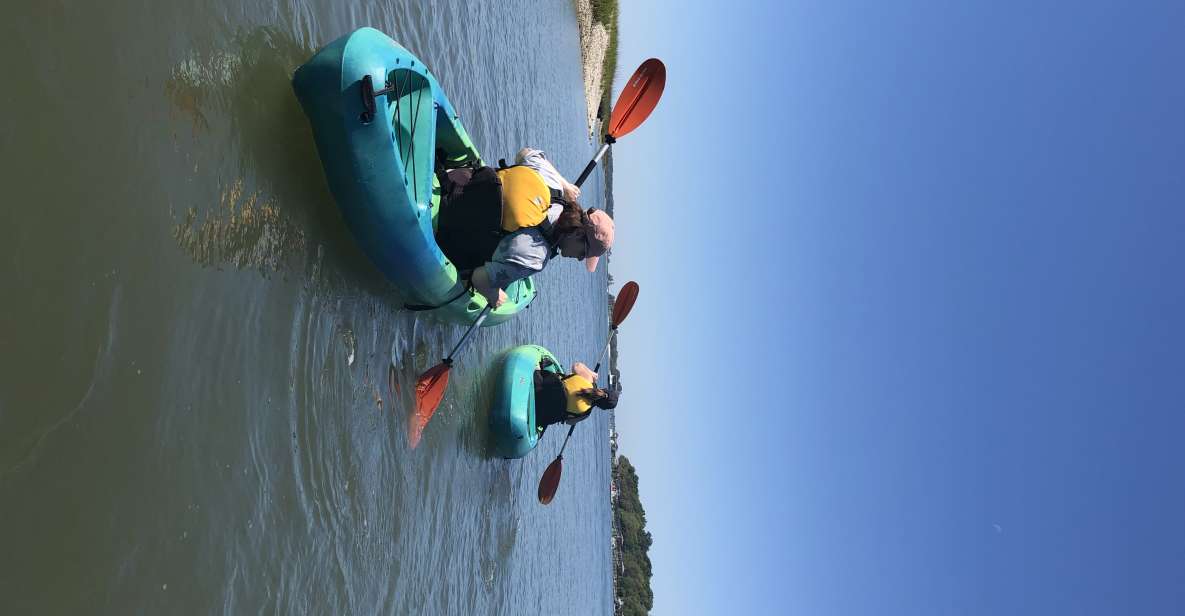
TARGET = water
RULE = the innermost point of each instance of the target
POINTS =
(204, 384)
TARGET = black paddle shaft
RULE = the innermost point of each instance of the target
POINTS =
(596, 159)
(485, 312)
(570, 429)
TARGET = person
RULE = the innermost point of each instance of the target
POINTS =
(504, 225)
(568, 398)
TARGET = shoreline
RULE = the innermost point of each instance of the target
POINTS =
(594, 45)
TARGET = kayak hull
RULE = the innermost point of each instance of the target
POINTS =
(380, 166)
(512, 415)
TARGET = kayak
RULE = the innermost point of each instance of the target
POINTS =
(512, 416)
(381, 120)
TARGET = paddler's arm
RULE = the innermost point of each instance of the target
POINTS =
(537, 160)
(582, 370)
(510, 263)
(482, 284)
(571, 191)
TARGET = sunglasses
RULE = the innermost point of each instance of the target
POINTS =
(584, 219)
(584, 241)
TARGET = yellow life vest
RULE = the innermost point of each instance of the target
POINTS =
(525, 198)
(577, 404)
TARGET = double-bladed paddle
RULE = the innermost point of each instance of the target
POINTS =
(626, 298)
(550, 482)
(634, 105)
(431, 385)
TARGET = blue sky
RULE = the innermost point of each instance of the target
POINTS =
(910, 334)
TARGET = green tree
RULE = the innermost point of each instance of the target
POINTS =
(633, 583)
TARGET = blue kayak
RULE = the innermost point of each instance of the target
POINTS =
(512, 416)
(382, 124)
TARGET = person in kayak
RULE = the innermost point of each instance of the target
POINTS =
(507, 224)
(568, 398)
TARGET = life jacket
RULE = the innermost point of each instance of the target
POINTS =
(573, 385)
(479, 206)
(525, 198)
(557, 397)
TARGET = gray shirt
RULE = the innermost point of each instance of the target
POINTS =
(526, 251)
(522, 253)
(537, 160)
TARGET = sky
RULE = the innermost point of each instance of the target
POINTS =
(910, 336)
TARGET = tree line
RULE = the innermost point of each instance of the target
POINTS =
(633, 581)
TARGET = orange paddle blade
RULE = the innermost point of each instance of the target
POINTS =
(551, 480)
(639, 97)
(624, 302)
(429, 391)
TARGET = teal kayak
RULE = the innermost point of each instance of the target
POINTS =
(512, 416)
(382, 124)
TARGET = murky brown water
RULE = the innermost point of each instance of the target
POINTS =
(204, 383)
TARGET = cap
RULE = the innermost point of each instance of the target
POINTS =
(599, 231)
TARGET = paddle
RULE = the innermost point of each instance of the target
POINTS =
(551, 477)
(634, 105)
(432, 383)
(621, 307)
(550, 482)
